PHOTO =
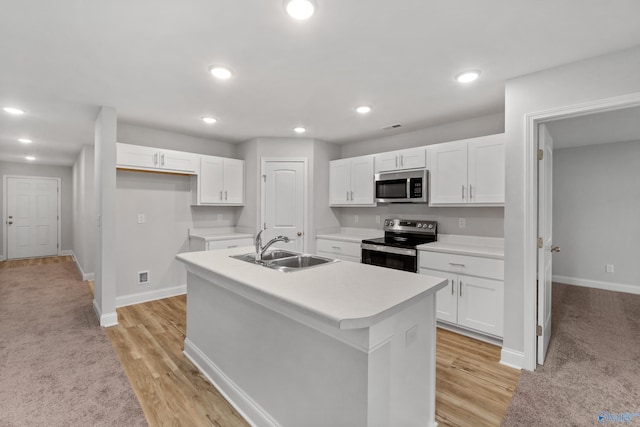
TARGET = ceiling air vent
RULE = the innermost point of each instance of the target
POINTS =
(396, 126)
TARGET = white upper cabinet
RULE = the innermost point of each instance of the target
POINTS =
(220, 182)
(412, 158)
(139, 157)
(467, 172)
(351, 182)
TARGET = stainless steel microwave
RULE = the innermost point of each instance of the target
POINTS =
(410, 186)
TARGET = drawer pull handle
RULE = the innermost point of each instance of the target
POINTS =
(453, 291)
(232, 246)
(336, 247)
(456, 264)
(461, 284)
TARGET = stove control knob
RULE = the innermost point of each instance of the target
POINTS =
(386, 222)
(430, 226)
(419, 225)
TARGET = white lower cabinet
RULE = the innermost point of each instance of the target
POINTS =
(468, 301)
(347, 251)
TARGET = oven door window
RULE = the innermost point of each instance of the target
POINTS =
(391, 189)
(395, 261)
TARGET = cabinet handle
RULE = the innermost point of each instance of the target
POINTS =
(232, 246)
(336, 248)
(396, 161)
(220, 194)
(162, 159)
(225, 194)
(456, 264)
(347, 194)
(401, 161)
(470, 192)
(155, 159)
(461, 284)
(352, 195)
(462, 191)
(453, 291)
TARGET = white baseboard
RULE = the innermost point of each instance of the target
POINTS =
(106, 320)
(1, 257)
(146, 296)
(85, 276)
(512, 358)
(253, 413)
(607, 286)
(67, 252)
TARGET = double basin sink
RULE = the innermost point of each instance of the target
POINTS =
(287, 261)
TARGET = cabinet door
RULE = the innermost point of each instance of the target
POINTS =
(339, 182)
(210, 180)
(448, 169)
(447, 297)
(136, 156)
(362, 180)
(234, 181)
(486, 170)
(178, 161)
(480, 304)
(413, 158)
(387, 162)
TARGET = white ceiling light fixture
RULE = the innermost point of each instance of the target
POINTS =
(222, 73)
(25, 140)
(13, 110)
(209, 120)
(363, 109)
(299, 129)
(30, 158)
(467, 76)
(300, 9)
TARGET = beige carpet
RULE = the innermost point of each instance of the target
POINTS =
(592, 367)
(57, 366)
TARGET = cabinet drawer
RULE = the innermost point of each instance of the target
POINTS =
(232, 243)
(338, 247)
(339, 256)
(462, 264)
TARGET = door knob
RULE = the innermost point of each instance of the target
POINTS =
(555, 248)
(9, 222)
(299, 233)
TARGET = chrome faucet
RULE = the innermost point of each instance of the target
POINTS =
(260, 250)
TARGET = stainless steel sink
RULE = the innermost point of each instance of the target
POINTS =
(285, 261)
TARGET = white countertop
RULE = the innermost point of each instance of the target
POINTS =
(353, 235)
(486, 247)
(221, 233)
(346, 295)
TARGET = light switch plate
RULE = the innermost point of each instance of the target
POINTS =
(141, 219)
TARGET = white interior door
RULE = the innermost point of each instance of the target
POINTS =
(283, 204)
(546, 249)
(32, 217)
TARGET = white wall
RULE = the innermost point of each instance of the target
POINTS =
(470, 128)
(596, 78)
(84, 212)
(596, 207)
(322, 216)
(165, 200)
(66, 194)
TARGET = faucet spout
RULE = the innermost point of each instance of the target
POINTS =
(261, 252)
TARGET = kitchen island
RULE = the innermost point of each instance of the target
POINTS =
(340, 344)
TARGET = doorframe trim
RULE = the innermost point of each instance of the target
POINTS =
(5, 228)
(531, 202)
(305, 193)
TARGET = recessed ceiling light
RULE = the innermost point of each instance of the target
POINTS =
(300, 9)
(467, 76)
(209, 120)
(220, 72)
(25, 140)
(13, 110)
(299, 129)
(363, 109)
(30, 158)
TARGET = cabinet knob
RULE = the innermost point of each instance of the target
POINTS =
(299, 233)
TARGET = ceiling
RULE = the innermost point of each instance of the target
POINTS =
(612, 126)
(149, 59)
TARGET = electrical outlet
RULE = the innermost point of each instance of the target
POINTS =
(608, 268)
(462, 222)
(141, 219)
(411, 335)
(355, 219)
(219, 217)
(377, 219)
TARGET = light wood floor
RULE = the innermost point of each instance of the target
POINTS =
(35, 261)
(472, 389)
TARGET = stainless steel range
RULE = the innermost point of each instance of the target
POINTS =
(397, 249)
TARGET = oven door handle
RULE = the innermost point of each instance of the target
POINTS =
(388, 249)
